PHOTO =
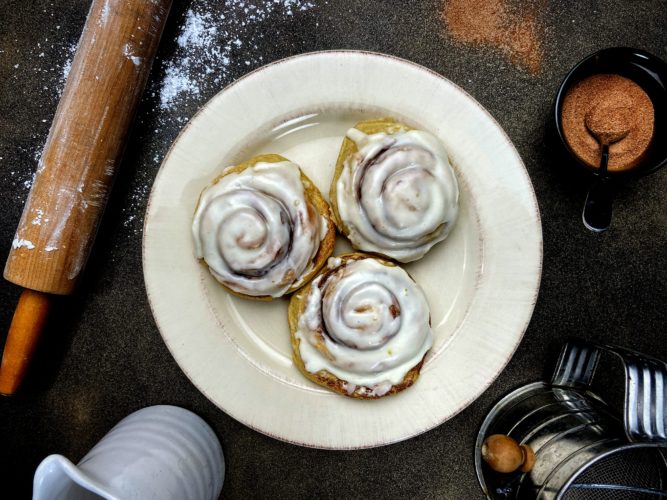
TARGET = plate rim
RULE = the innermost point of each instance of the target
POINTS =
(462, 404)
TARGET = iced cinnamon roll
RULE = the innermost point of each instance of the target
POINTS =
(263, 228)
(361, 327)
(394, 191)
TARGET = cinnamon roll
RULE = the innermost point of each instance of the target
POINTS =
(360, 328)
(394, 192)
(263, 228)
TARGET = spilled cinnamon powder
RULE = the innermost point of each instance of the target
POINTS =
(502, 25)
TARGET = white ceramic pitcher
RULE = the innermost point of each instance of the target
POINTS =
(159, 452)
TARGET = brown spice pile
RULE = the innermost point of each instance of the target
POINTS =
(619, 101)
(510, 29)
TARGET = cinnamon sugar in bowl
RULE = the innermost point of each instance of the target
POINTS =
(630, 86)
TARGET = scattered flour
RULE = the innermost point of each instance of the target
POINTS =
(67, 66)
(37, 221)
(21, 243)
(212, 40)
(129, 53)
(40, 65)
(104, 15)
(136, 204)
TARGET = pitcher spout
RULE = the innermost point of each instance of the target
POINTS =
(57, 478)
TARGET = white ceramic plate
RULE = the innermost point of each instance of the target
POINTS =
(481, 283)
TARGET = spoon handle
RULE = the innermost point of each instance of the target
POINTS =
(597, 208)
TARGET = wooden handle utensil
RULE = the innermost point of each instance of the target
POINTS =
(78, 165)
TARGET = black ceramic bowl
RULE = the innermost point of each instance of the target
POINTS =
(650, 73)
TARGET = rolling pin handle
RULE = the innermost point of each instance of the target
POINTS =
(24, 333)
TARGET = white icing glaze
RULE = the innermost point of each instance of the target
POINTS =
(256, 231)
(371, 321)
(398, 195)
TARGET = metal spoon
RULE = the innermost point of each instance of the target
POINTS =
(608, 125)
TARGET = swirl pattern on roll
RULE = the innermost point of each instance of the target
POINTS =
(256, 230)
(398, 195)
(365, 322)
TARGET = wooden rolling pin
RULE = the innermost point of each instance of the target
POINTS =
(78, 165)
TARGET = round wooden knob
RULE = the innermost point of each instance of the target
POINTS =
(504, 454)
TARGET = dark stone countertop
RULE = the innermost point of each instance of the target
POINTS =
(102, 356)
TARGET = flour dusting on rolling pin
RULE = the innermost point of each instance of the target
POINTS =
(85, 143)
